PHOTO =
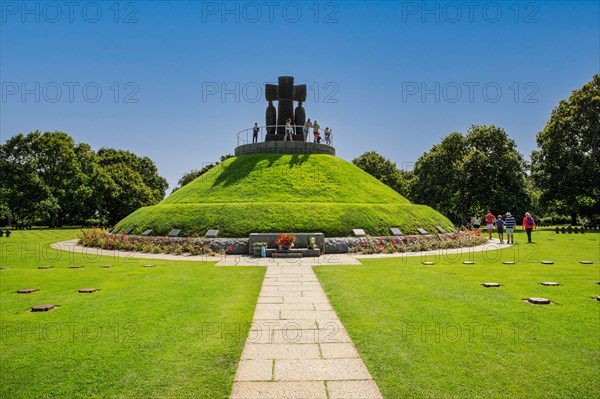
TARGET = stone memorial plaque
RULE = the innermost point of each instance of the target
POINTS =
(75, 267)
(422, 231)
(468, 262)
(549, 283)
(490, 285)
(26, 291)
(358, 233)
(396, 232)
(440, 230)
(128, 231)
(538, 301)
(586, 262)
(212, 234)
(547, 262)
(42, 308)
(428, 263)
(146, 232)
(508, 262)
(87, 290)
(174, 233)
(45, 267)
(149, 265)
(106, 266)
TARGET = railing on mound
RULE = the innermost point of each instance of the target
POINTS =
(245, 136)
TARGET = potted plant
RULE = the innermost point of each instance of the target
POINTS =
(285, 240)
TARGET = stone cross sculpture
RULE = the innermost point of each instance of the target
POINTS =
(285, 93)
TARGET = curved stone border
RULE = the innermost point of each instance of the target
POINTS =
(284, 147)
(247, 260)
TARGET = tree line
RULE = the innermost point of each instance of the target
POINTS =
(49, 179)
(482, 169)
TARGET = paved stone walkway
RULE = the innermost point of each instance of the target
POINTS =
(297, 347)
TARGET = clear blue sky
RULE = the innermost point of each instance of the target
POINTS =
(393, 77)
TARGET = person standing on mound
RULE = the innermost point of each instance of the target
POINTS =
(288, 130)
(509, 223)
(528, 225)
(315, 130)
(489, 220)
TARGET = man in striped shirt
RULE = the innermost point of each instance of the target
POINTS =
(509, 223)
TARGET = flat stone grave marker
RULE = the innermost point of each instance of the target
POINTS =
(422, 231)
(26, 291)
(3, 268)
(174, 233)
(106, 266)
(586, 262)
(75, 267)
(440, 230)
(358, 233)
(42, 308)
(88, 290)
(45, 267)
(507, 262)
(538, 301)
(550, 283)
(490, 285)
(428, 263)
(598, 298)
(396, 232)
(547, 262)
(149, 265)
(146, 232)
(115, 231)
(212, 234)
(128, 231)
(468, 262)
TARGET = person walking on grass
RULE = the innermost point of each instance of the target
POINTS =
(528, 225)
(489, 220)
(500, 228)
(509, 223)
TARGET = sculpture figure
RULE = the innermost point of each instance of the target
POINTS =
(285, 93)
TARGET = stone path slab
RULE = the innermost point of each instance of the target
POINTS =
(297, 346)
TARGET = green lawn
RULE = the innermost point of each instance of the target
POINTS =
(148, 333)
(435, 332)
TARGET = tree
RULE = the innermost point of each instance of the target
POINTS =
(130, 182)
(48, 178)
(482, 170)
(195, 173)
(383, 170)
(566, 168)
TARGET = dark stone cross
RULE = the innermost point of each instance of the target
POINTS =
(285, 93)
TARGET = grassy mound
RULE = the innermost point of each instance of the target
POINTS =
(278, 192)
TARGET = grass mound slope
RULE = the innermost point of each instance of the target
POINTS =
(284, 192)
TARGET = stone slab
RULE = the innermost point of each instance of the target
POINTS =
(366, 389)
(319, 369)
(338, 350)
(281, 351)
(254, 370)
(279, 390)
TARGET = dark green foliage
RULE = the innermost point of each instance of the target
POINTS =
(465, 174)
(195, 173)
(383, 170)
(566, 168)
(48, 178)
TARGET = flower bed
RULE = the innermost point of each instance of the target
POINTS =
(101, 239)
(390, 245)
